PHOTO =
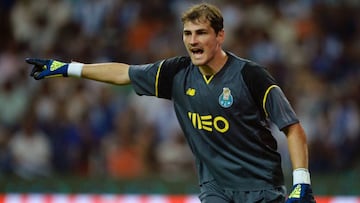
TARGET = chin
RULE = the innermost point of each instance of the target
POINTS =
(198, 62)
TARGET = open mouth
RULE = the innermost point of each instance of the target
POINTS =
(197, 51)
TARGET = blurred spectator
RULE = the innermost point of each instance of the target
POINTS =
(147, 143)
(66, 142)
(13, 102)
(30, 150)
(5, 156)
(77, 102)
(9, 60)
(45, 104)
(90, 14)
(103, 112)
(37, 22)
(174, 157)
(157, 112)
(123, 157)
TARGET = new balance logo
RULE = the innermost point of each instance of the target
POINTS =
(190, 92)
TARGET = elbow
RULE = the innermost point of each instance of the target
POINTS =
(294, 129)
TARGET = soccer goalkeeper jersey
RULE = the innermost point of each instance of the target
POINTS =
(225, 117)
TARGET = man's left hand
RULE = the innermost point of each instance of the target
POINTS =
(301, 193)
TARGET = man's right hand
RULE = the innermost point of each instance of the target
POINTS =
(46, 68)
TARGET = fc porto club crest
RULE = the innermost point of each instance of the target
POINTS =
(226, 99)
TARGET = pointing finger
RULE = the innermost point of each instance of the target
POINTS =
(37, 62)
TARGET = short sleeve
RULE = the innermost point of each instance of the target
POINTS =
(268, 96)
(156, 79)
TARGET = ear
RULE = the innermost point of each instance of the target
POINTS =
(221, 36)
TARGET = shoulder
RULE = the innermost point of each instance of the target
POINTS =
(172, 66)
(254, 71)
(256, 76)
(177, 62)
(246, 66)
(163, 66)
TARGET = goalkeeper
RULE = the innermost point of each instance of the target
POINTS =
(224, 105)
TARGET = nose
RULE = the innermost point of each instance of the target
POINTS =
(193, 40)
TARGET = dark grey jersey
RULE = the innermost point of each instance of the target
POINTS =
(224, 117)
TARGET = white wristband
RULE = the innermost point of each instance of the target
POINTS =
(75, 69)
(301, 175)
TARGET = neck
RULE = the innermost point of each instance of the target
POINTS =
(215, 65)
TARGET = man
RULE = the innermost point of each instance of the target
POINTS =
(224, 104)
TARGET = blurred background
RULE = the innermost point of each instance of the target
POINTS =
(68, 135)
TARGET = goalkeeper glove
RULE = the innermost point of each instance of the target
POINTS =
(46, 68)
(301, 190)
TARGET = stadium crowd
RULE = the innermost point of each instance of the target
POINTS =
(79, 127)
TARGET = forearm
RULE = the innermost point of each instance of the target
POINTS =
(297, 145)
(301, 190)
(114, 73)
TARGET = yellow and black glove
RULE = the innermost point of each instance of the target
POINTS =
(46, 68)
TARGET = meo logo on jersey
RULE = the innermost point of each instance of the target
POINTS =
(209, 122)
(226, 99)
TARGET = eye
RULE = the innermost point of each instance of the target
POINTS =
(201, 32)
(187, 33)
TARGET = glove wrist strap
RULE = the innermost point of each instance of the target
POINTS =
(75, 69)
(301, 175)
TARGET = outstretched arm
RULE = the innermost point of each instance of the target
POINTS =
(114, 73)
